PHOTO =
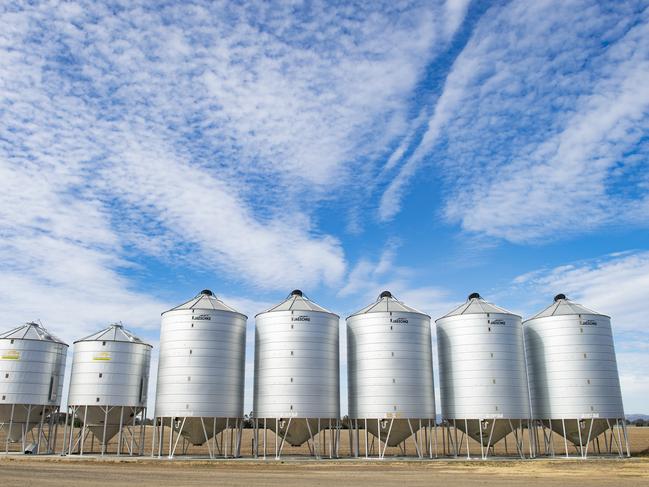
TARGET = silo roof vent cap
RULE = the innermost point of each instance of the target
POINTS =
(296, 292)
(207, 292)
(474, 296)
(559, 297)
(385, 294)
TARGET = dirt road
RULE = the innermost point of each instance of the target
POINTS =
(50, 471)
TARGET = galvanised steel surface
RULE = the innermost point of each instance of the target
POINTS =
(297, 364)
(482, 367)
(32, 366)
(390, 365)
(202, 360)
(110, 368)
(572, 367)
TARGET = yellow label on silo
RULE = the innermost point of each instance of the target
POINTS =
(10, 355)
(102, 356)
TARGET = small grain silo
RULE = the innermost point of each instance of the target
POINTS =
(390, 376)
(201, 376)
(32, 367)
(574, 381)
(108, 391)
(483, 381)
(297, 382)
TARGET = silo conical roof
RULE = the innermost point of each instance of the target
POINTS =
(386, 302)
(563, 306)
(31, 331)
(476, 305)
(297, 301)
(205, 300)
(114, 333)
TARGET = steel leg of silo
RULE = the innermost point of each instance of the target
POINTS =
(412, 433)
(265, 435)
(493, 425)
(142, 431)
(434, 432)
(281, 444)
(565, 439)
(161, 437)
(468, 448)
(65, 432)
(590, 431)
(40, 431)
(378, 430)
(331, 440)
(366, 440)
(83, 430)
(481, 445)
(179, 435)
(171, 436)
(619, 437)
(626, 438)
(385, 442)
(455, 444)
(276, 437)
(309, 441)
(119, 432)
(133, 430)
(11, 423)
(103, 439)
(319, 450)
(581, 448)
(225, 447)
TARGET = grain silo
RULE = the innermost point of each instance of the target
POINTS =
(390, 376)
(108, 391)
(201, 377)
(574, 381)
(483, 381)
(32, 366)
(296, 386)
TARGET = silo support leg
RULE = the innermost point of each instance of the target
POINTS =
(493, 425)
(207, 440)
(281, 445)
(119, 433)
(590, 432)
(626, 437)
(412, 433)
(103, 438)
(11, 423)
(385, 442)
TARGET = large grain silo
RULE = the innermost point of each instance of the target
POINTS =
(574, 381)
(32, 366)
(483, 381)
(108, 391)
(390, 376)
(201, 377)
(296, 386)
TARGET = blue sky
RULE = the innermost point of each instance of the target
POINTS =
(150, 150)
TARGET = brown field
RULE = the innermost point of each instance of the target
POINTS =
(296, 468)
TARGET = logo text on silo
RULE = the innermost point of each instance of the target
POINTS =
(398, 320)
(301, 318)
(203, 317)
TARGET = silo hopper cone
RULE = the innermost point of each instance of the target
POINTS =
(395, 434)
(298, 431)
(491, 432)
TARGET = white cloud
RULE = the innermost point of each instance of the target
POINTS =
(539, 131)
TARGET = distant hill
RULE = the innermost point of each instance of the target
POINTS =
(635, 417)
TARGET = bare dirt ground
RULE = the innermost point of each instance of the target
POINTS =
(16, 469)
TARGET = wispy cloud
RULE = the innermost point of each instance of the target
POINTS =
(536, 123)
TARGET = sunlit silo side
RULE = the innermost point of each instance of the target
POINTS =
(483, 381)
(201, 369)
(574, 381)
(32, 367)
(108, 389)
(390, 371)
(296, 385)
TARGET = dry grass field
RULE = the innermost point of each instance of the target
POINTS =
(297, 469)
